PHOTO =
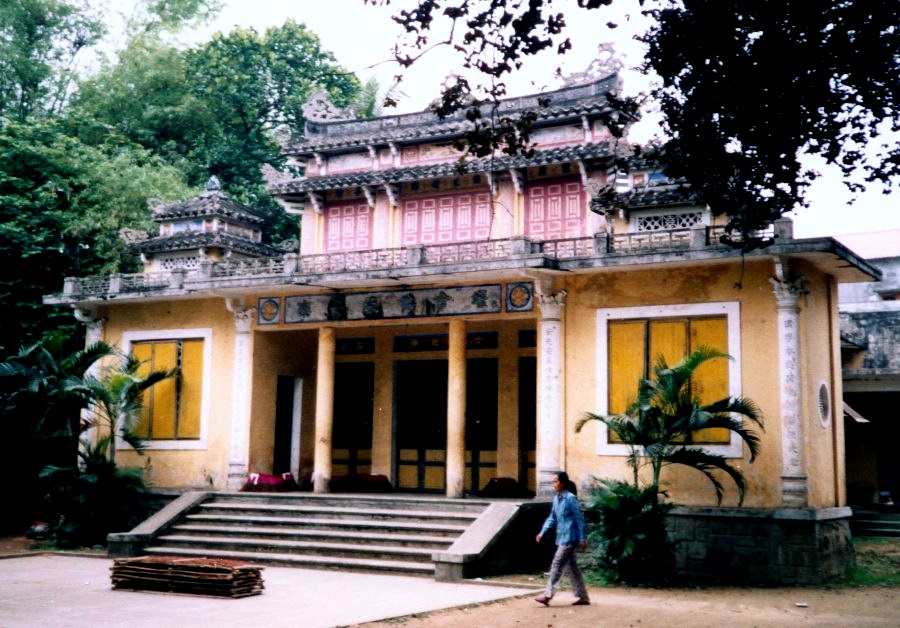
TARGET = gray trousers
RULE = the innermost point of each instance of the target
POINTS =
(565, 558)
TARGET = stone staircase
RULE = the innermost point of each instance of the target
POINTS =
(871, 522)
(392, 533)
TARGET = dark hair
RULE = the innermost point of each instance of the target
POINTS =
(568, 484)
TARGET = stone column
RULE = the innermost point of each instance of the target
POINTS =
(324, 410)
(94, 326)
(550, 393)
(793, 468)
(242, 371)
(93, 334)
(456, 409)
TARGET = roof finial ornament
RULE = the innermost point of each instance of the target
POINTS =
(319, 108)
(606, 63)
(213, 185)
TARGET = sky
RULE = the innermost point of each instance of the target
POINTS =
(361, 37)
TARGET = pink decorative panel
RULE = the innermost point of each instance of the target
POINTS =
(554, 210)
(348, 227)
(446, 218)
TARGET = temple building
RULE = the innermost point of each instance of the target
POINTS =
(442, 326)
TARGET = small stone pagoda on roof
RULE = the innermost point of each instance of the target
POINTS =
(210, 227)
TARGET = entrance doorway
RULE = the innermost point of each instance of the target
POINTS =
(420, 404)
(354, 394)
(421, 423)
(288, 397)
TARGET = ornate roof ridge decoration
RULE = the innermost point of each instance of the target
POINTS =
(211, 203)
(560, 154)
(566, 102)
(197, 239)
(668, 196)
(319, 108)
(606, 63)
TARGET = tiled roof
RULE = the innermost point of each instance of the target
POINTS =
(210, 204)
(198, 239)
(658, 197)
(564, 154)
(565, 103)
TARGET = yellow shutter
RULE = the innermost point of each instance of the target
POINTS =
(165, 356)
(144, 352)
(669, 339)
(711, 379)
(626, 365)
(191, 388)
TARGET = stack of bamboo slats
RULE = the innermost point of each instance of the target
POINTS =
(196, 576)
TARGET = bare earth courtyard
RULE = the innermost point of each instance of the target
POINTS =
(732, 607)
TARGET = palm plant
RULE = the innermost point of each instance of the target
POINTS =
(42, 394)
(45, 386)
(630, 536)
(659, 424)
(117, 400)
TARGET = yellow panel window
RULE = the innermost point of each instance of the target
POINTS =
(171, 408)
(635, 345)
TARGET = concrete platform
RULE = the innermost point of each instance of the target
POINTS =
(73, 591)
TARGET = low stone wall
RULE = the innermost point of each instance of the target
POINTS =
(768, 547)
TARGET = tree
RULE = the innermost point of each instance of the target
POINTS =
(658, 427)
(62, 204)
(251, 86)
(746, 88)
(39, 42)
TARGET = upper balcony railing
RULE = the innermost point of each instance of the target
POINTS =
(285, 268)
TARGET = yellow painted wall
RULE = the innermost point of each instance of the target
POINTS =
(760, 380)
(185, 468)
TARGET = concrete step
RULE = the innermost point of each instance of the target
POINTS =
(315, 511)
(303, 534)
(389, 502)
(283, 546)
(301, 560)
(349, 525)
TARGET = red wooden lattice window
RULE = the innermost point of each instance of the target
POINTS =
(348, 227)
(446, 218)
(554, 210)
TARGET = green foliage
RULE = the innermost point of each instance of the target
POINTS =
(251, 86)
(62, 204)
(94, 499)
(42, 394)
(39, 40)
(627, 533)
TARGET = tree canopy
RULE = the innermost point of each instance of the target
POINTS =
(746, 87)
(82, 153)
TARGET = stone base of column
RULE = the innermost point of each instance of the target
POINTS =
(237, 476)
(544, 486)
(320, 482)
(793, 491)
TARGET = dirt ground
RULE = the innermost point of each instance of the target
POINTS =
(623, 607)
(641, 608)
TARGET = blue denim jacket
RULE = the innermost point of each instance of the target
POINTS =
(566, 517)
